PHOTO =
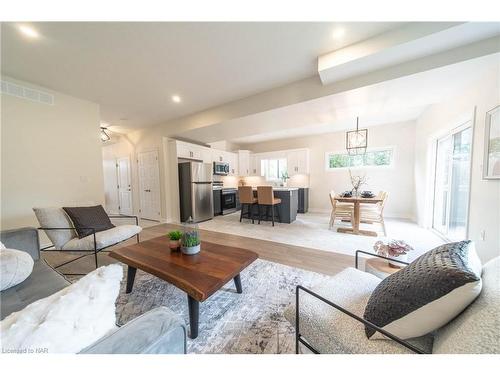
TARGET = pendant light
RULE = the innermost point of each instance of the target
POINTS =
(357, 140)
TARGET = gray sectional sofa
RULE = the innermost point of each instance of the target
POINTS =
(158, 331)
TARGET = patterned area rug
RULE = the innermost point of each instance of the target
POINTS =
(251, 322)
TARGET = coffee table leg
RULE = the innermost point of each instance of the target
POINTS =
(194, 313)
(130, 278)
(237, 282)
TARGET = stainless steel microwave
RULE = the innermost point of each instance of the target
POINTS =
(221, 168)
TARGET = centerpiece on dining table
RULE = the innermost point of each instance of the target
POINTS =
(357, 182)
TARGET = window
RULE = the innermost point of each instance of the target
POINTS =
(372, 158)
(451, 184)
(272, 169)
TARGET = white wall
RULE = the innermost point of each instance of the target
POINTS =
(485, 194)
(397, 180)
(51, 155)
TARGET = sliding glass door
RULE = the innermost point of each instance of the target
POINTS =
(452, 183)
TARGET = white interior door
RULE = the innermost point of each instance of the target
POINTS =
(149, 185)
(124, 186)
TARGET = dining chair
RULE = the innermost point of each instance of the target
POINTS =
(343, 211)
(374, 213)
(265, 197)
(247, 200)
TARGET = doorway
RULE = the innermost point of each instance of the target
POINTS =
(149, 185)
(124, 186)
(452, 183)
(117, 185)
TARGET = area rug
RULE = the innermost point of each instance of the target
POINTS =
(251, 322)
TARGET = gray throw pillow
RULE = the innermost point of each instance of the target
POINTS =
(426, 294)
(86, 218)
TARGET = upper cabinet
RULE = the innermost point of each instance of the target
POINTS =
(297, 162)
(254, 165)
(219, 156)
(192, 151)
(244, 163)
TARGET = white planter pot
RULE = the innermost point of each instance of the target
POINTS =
(402, 258)
(191, 250)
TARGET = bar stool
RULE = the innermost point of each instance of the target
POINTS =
(246, 199)
(265, 197)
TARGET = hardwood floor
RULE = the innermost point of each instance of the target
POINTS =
(295, 256)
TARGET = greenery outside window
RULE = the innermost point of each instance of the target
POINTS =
(272, 169)
(372, 158)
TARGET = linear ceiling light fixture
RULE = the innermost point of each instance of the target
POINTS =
(357, 140)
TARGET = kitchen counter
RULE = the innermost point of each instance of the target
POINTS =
(281, 189)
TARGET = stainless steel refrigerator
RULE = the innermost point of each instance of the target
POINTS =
(195, 189)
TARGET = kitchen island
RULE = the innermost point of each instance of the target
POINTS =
(288, 206)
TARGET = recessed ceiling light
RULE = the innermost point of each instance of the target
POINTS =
(176, 98)
(28, 31)
(338, 33)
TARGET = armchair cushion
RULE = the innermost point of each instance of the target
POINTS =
(55, 217)
(103, 239)
(477, 329)
(426, 294)
(333, 332)
(85, 218)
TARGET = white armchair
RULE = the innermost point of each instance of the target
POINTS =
(62, 233)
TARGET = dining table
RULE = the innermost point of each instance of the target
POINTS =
(356, 220)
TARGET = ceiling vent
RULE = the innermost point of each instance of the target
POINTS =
(9, 88)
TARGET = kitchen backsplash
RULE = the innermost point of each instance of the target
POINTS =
(294, 181)
(232, 181)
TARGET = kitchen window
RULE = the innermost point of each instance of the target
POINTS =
(372, 158)
(272, 169)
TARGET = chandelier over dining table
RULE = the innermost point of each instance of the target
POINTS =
(357, 140)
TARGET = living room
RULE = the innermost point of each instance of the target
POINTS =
(335, 165)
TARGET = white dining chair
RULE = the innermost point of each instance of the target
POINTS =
(374, 213)
(342, 211)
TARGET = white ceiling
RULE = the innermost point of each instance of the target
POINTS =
(132, 69)
(397, 100)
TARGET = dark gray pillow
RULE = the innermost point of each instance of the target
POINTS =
(426, 294)
(84, 218)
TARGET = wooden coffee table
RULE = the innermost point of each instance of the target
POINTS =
(199, 275)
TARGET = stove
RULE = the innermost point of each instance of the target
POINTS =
(228, 198)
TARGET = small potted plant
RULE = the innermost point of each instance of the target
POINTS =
(175, 240)
(394, 249)
(190, 241)
(284, 177)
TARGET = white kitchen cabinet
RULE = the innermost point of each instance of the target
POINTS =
(219, 156)
(189, 150)
(244, 163)
(206, 155)
(232, 159)
(297, 162)
(255, 165)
